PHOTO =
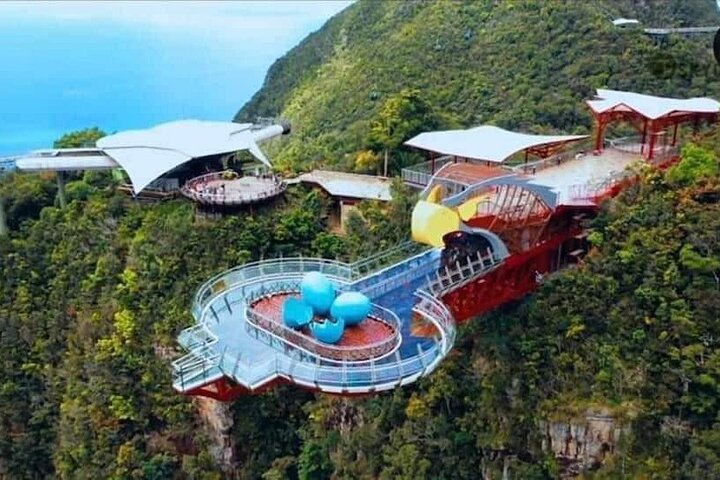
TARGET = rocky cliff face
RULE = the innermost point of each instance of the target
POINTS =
(218, 421)
(581, 446)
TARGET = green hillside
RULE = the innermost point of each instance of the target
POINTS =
(92, 296)
(517, 64)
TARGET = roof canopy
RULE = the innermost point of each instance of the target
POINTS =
(488, 143)
(649, 106)
(148, 154)
(350, 185)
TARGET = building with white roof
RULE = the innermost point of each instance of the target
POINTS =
(651, 116)
(148, 154)
(488, 143)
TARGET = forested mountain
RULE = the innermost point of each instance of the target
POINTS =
(92, 296)
(524, 65)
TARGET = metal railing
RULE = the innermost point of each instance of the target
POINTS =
(420, 174)
(634, 145)
(312, 347)
(452, 277)
(530, 168)
(192, 191)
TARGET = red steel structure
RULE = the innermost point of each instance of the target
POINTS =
(530, 217)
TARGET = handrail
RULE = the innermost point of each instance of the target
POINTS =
(327, 374)
(188, 190)
(313, 347)
(551, 161)
(344, 270)
(459, 274)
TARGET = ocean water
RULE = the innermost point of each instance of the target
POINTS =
(67, 66)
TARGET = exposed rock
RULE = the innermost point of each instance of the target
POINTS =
(217, 420)
(581, 446)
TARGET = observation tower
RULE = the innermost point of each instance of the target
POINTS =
(497, 212)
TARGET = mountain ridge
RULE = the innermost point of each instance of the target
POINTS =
(519, 65)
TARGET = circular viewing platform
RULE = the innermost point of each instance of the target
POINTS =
(374, 338)
(229, 188)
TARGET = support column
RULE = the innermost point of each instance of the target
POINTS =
(599, 134)
(644, 137)
(651, 153)
(61, 189)
(3, 220)
(432, 163)
(675, 131)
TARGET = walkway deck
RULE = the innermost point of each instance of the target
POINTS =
(567, 177)
(215, 189)
(225, 342)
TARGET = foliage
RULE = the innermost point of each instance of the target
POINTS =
(93, 296)
(517, 64)
(80, 139)
(696, 164)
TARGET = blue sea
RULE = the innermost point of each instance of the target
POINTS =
(71, 65)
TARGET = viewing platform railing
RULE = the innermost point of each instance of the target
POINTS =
(419, 175)
(535, 166)
(308, 368)
(194, 190)
(455, 276)
(634, 145)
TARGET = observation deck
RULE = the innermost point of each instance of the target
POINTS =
(235, 347)
(228, 188)
(238, 345)
(575, 177)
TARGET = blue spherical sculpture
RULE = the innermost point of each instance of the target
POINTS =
(318, 292)
(296, 313)
(352, 307)
(329, 331)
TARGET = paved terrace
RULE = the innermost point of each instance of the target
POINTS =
(218, 189)
(574, 176)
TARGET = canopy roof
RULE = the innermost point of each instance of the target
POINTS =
(148, 154)
(489, 143)
(649, 106)
(349, 185)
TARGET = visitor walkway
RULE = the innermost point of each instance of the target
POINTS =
(229, 341)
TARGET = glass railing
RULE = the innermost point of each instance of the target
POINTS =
(312, 366)
(420, 174)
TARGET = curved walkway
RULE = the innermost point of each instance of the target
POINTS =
(224, 343)
(227, 188)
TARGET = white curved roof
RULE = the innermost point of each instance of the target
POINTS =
(649, 106)
(148, 154)
(489, 143)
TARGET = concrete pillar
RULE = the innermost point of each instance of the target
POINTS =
(61, 189)
(3, 221)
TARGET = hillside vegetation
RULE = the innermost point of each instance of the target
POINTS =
(92, 296)
(517, 64)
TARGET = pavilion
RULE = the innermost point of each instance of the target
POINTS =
(651, 116)
(346, 190)
(146, 155)
(483, 149)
